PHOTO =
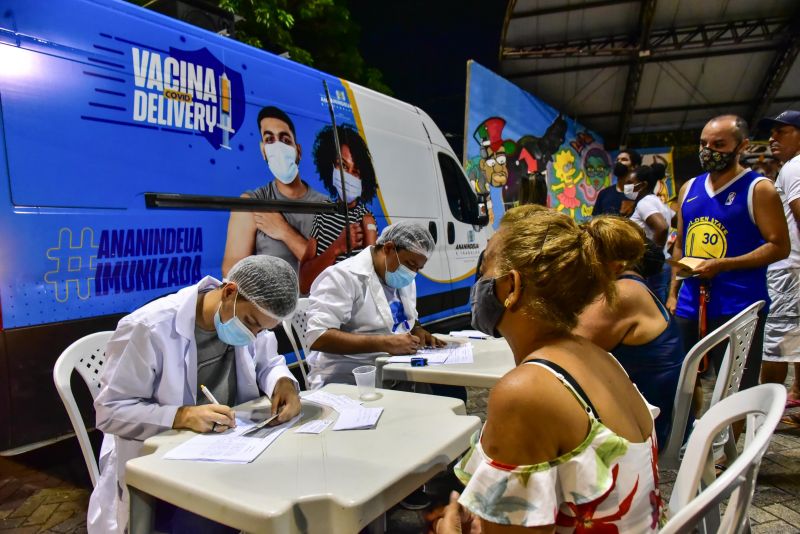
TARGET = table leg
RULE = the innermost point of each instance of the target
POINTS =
(378, 526)
(379, 374)
(142, 512)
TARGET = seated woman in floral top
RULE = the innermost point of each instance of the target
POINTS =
(569, 443)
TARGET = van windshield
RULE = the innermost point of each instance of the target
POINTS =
(460, 197)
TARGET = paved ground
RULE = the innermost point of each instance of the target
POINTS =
(48, 490)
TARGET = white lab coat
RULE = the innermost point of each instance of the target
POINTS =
(349, 297)
(150, 371)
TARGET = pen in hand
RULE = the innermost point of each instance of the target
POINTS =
(208, 394)
(211, 399)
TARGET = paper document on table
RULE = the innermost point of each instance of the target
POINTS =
(471, 334)
(337, 402)
(452, 353)
(459, 353)
(314, 427)
(231, 446)
(358, 419)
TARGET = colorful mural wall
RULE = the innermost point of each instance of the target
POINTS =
(519, 150)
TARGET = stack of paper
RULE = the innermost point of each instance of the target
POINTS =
(337, 402)
(451, 354)
(231, 446)
(352, 416)
(314, 427)
(358, 418)
(459, 354)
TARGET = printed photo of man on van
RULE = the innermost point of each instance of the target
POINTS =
(284, 235)
(327, 243)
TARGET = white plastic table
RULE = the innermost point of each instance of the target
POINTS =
(492, 358)
(331, 482)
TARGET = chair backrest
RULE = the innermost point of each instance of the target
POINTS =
(86, 356)
(297, 326)
(763, 407)
(738, 332)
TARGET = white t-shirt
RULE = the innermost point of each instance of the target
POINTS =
(648, 206)
(788, 186)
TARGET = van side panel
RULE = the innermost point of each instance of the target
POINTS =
(102, 101)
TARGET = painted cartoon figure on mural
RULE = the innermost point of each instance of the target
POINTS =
(494, 151)
(528, 173)
(568, 175)
(597, 167)
(518, 168)
(491, 167)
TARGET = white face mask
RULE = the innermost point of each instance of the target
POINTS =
(352, 185)
(630, 191)
(282, 161)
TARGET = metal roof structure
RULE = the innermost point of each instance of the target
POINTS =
(633, 66)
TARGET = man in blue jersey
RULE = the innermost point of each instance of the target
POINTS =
(732, 218)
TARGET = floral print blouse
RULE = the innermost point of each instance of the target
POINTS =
(606, 485)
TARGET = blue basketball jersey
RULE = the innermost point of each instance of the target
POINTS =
(720, 225)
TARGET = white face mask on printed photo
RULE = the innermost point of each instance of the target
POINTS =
(282, 161)
(352, 185)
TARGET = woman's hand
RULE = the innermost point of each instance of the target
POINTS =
(454, 519)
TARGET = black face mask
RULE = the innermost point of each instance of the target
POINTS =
(486, 309)
(620, 170)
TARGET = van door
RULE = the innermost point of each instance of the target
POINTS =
(405, 166)
(464, 238)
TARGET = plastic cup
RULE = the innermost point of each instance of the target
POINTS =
(365, 380)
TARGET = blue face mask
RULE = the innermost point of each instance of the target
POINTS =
(400, 277)
(233, 332)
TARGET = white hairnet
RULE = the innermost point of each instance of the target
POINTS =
(268, 282)
(410, 236)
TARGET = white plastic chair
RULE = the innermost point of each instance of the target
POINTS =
(739, 332)
(86, 356)
(763, 407)
(297, 326)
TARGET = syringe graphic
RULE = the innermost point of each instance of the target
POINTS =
(225, 120)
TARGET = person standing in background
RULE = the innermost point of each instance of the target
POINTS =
(782, 330)
(612, 200)
(731, 217)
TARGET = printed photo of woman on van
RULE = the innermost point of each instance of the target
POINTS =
(327, 243)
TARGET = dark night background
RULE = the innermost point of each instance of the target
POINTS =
(422, 50)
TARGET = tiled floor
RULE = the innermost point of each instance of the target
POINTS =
(48, 490)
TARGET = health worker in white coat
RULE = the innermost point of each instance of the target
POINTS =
(212, 333)
(366, 306)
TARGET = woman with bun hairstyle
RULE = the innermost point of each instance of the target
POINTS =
(568, 440)
(638, 330)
